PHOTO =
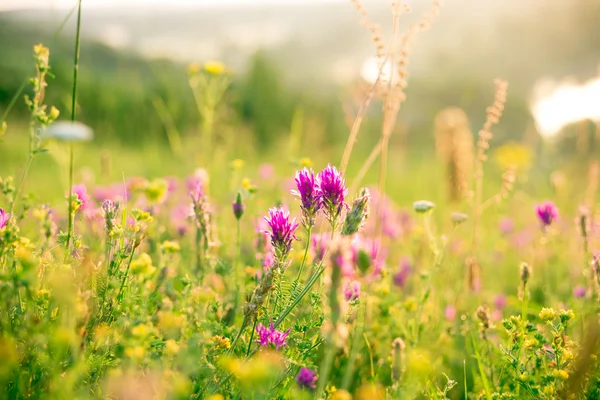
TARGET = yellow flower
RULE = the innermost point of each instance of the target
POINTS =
(221, 342)
(246, 183)
(54, 113)
(142, 265)
(156, 190)
(340, 394)
(547, 314)
(137, 352)
(370, 391)
(169, 246)
(215, 67)
(238, 164)
(306, 162)
(560, 374)
(171, 347)
(513, 154)
(170, 322)
(140, 331)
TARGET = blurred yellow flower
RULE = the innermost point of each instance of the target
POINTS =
(140, 331)
(171, 347)
(137, 352)
(370, 391)
(169, 246)
(513, 155)
(306, 162)
(156, 190)
(142, 265)
(340, 394)
(246, 183)
(215, 67)
(170, 322)
(238, 163)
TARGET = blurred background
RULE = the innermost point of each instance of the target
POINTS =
(298, 75)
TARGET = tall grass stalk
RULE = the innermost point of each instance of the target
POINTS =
(73, 114)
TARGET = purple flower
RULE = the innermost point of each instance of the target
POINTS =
(266, 171)
(309, 193)
(332, 192)
(401, 276)
(306, 378)
(81, 192)
(506, 225)
(319, 243)
(270, 335)
(500, 302)
(4, 217)
(180, 216)
(547, 213)
(195, 190)
(579, 291)
(450, 312)
(352, 290)
(282, 231)
(114, 192)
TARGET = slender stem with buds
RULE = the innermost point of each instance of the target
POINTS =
(73, 112)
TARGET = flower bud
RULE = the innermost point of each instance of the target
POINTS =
(355, 219)
(423, 206)
(458, 218)
(238, 207)
(525, 272)
(398, 355)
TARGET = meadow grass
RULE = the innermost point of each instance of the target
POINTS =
(193, 272)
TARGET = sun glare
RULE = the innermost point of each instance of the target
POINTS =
(556, 105)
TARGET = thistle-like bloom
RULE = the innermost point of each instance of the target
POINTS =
(355, 219)
(281, 231)
(4, 217)
(195, 191)
(332, 192)
(270, 335)
(309, 193)
(547, 213)
(306, 378)
(352, 290)
(109, 211)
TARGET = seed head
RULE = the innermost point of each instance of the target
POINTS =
(355, 219)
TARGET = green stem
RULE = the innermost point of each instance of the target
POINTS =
(198, 249)
(237, 268)
(326, 364)
(356, 346)
(251, 337)
(73, 113)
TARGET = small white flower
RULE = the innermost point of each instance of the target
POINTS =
(65, 131)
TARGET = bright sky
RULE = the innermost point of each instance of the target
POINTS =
(67, 4)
